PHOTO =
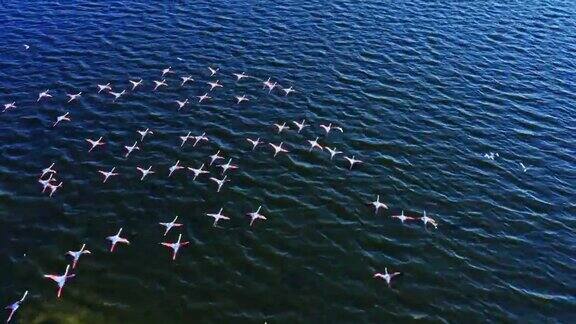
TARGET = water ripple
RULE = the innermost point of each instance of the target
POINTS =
(422, 89)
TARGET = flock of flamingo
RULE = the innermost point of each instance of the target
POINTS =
(50, 184)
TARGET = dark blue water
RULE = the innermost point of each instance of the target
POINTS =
(423, 89)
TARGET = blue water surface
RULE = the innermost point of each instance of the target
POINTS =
(422, 89)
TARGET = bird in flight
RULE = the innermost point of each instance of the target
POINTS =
(278, 148)
(60, 280)
(94, 144)
(387, 276)
(170, 225)
(117, 95)
(159, 84)
(77, 254)
(135, 84)
(256, 215)
(174, 168)
(61, 118)
(240, 76)
(108, 174)
(214, 157)
(203, 97)
(254, 142)
(166, 71)
(144, 133)
(403, 217)
(14, 306)
(287, 91)
(199, 138)
(46, 183)
(352, 161)
(218, 217)
(175, 246)
(145, 172)
(300, 125)
(332, 151)
(377, 204)
(427, 220)
(220, 182)
(53, 188)
(214, 85)
(102, 87)
(44, 94)
(8, 106)
(329, 127)
(198, 171)
(184, 139)
(186, 79)
(181, 104)
(270, 85)
(115, 239)
(281, 127)
(314, 144)
(227, 166)
(491, 155)
(239, 99)
(48, 170)
(213, 71)
(129, 149)
(74, 96)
